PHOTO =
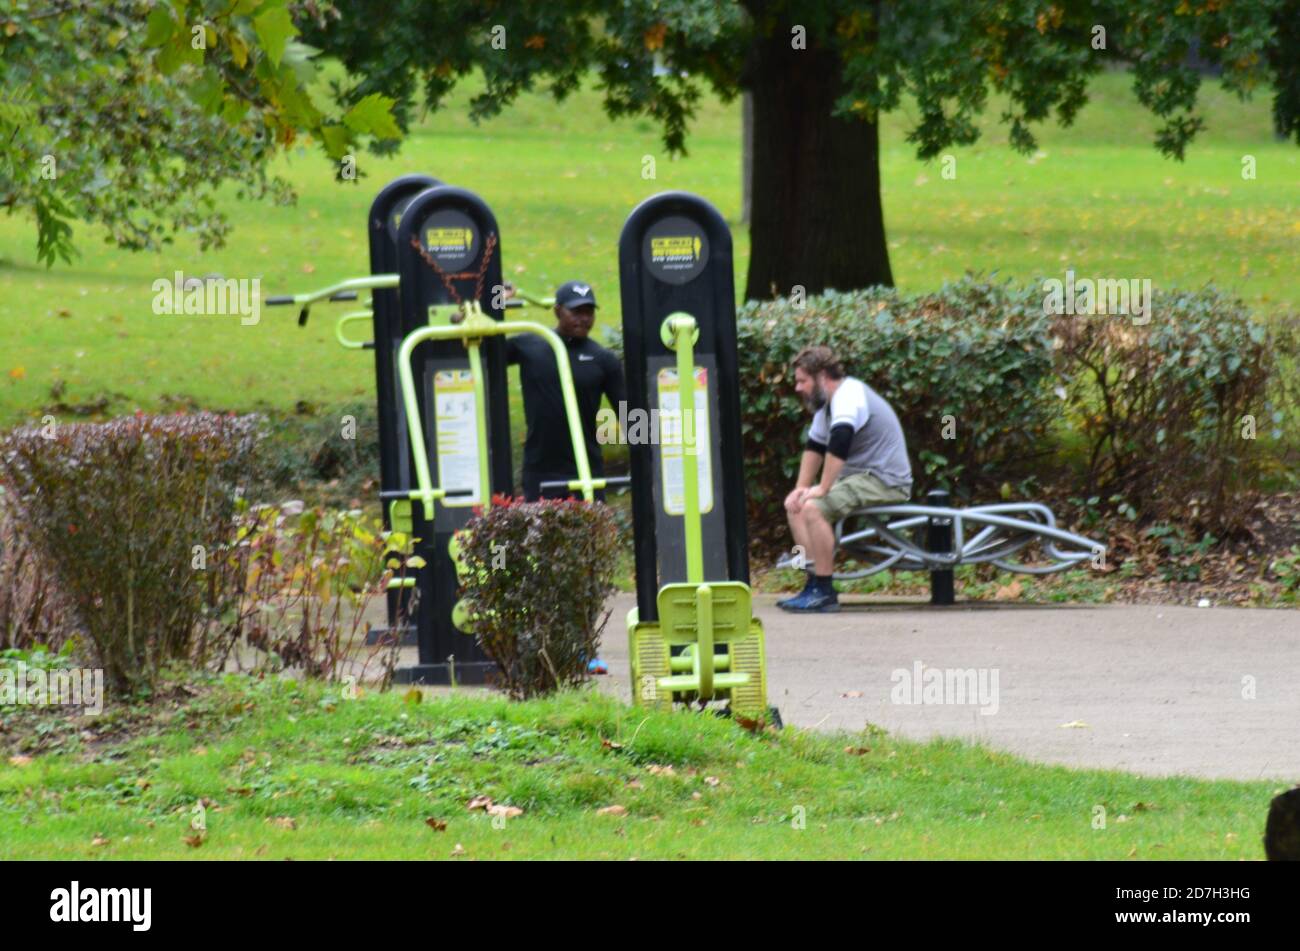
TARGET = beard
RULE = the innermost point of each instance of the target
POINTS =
(816, 401)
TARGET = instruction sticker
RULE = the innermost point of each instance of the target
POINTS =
(456, 431)
(671, 443)
(676, 250)
(451, 239)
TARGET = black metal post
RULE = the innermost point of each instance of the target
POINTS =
(938, 538)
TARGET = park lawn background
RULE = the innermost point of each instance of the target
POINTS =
(561, 179)
(293, 770)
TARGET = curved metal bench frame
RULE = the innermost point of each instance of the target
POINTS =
(998, 532)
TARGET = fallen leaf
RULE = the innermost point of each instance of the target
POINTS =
(1008, 592)
(712, 781)
(283, 822)
(634, 784)
(1075, 725)
(458, 851)
(479, 802)
(195, 840)
(502, 810)
(611, 811)
(437, 825)
(19, 760)
(414, 695)
(857, 750)
(656, 770)
(610, 744)
(99, 840)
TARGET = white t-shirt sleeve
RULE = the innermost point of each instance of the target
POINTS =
(849, 405)
(818, 432)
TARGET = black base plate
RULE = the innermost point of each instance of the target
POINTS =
(375, 633)
(439, 675)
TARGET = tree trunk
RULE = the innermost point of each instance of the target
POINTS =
(746, 156)
(816, 219)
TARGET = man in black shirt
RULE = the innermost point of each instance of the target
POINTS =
(548, 448)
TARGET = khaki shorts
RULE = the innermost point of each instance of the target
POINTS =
(858, 491)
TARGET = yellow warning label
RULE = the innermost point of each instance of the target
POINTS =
(449, 239)
(674, 248)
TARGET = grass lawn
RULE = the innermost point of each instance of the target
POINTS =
(562, 179)
(289, 770)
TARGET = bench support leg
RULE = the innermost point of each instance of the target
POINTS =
(938, 538)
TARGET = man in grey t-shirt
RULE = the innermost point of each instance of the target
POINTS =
(856, 442)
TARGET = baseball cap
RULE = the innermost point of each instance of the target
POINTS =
(575, 294)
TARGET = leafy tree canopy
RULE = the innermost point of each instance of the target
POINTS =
(132, 113)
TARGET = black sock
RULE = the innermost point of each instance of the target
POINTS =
(824, 583)
(810, 581)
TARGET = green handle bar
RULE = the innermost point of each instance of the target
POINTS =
(681, 329)
(337, 291)
(471, 332)
(347, 319)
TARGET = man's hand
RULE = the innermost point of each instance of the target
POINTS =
(794, 501)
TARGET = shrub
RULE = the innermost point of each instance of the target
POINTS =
(1162, 407)
(536, 576)
(31, 609)
(123, 513)
(976, 351)
(295, 587)
(331, 454)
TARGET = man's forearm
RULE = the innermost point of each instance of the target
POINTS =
(808, 467)
(830, 471)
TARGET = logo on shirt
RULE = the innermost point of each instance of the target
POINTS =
(585, 356)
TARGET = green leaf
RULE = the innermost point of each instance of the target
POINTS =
(161, 27)
(207, 90)
(336, 140)
(373, 116)
(274, 27)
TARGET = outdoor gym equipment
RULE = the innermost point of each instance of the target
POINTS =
(449, 266)
(471, 332)
(433, 251)
(386, 318)
(692, 636)
(939, 542)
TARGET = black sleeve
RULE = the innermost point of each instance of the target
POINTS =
(841, 439)
(813, 445)
(615, 383)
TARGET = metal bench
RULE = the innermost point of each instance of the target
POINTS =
(943, 537)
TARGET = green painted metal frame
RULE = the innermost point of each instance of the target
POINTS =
(697, 669)
(471, 331)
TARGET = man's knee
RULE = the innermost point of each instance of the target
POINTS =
(813, 515)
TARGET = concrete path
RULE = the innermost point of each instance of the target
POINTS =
(1162, 690)
(1208, 692)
